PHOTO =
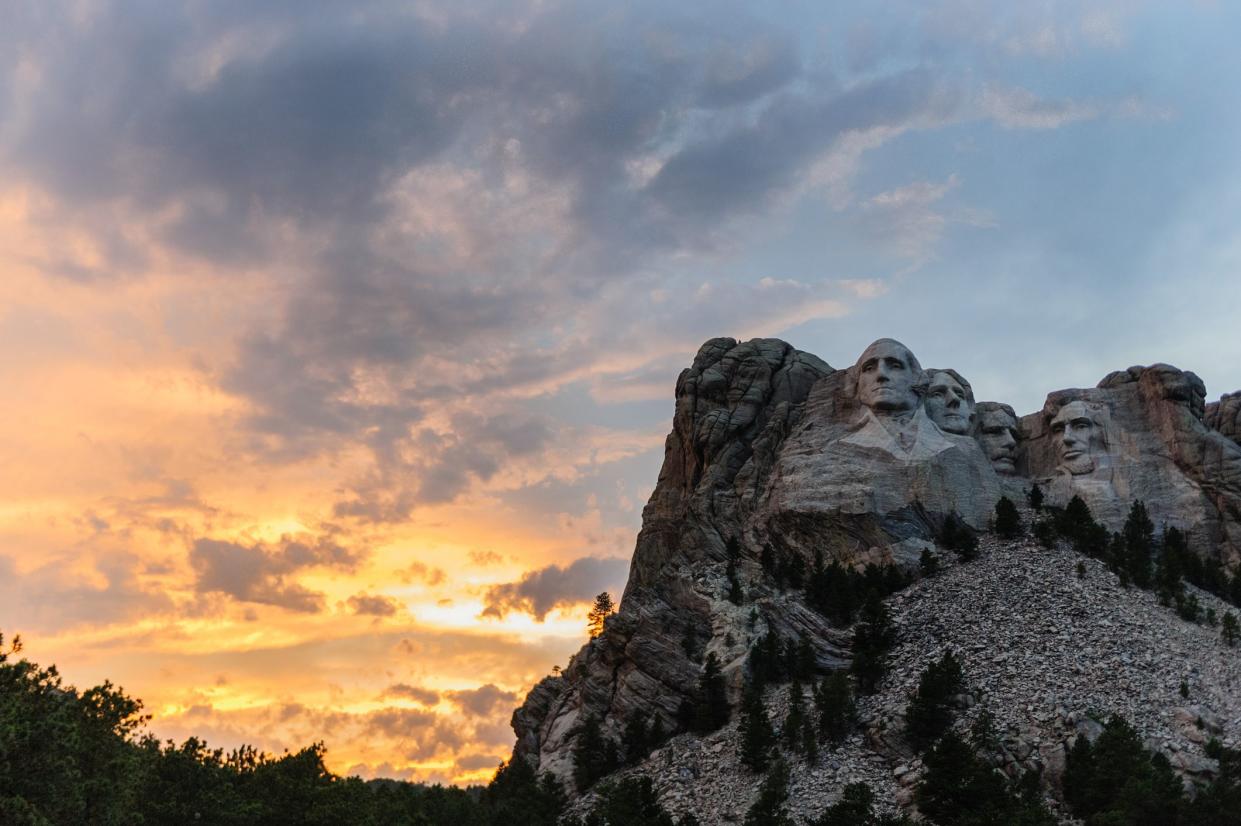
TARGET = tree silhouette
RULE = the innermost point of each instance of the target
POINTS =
(598, 615)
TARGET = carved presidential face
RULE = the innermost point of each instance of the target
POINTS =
(1078, 437)
(887, 374)
(997, 433)
(948, 403)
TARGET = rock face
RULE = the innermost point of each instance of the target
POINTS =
(1225, 416)
(734, 408)
(1140, 435)
(773, 452)
(1047, 654)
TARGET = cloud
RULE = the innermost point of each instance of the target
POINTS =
(484, 701)
(401, 722)
(374, 605)
(539, 592)
(912, 219)
(263, 573)
(420, 570)
(474, 762)
(431, 466)
(1015, 108)
(413, 692)
(741, 169)
(67, 593)
(446, 212)
(484, 558)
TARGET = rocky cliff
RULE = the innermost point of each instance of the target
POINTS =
(774, 454)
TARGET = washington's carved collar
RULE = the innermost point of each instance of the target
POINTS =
(907, 437)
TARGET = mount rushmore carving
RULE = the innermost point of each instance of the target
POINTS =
(775, 453)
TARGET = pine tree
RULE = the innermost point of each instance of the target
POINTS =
(766, 663)
(630, 802)
(598, 615)
(593, 755)
(855, 806)
(795, 720)
(959, 789)
(805, 663)
(1045, 533)
(1117, 557)
(1036, 497)
(1116, 780)
(1230, 629)
(1073, 522)
(797, 571)
(1139, 533)
(768, 808)
(636, 738)
(711, 710)
(957, 536)
(1007, 520)
(928, 564)
(810, 739)
(837, 711)
(872, 639)
(735, 595)
(757, 738)
(929, 712)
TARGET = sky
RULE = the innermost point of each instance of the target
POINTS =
(338, 341)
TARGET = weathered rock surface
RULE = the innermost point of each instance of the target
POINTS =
(844, 485)
(1047, 654)
(1145, 440)
(734, 407)
(1225, 416)
(772, 448)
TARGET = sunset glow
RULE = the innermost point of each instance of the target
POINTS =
(339, 345)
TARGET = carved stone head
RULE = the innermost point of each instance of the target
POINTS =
(998, 434)
(949, 401)
(1079, 433)
(889, 378)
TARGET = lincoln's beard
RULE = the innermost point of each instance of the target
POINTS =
(1079, 465)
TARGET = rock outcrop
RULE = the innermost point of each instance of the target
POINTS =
(775, 453)
(734, 408)
(1225, 416)
(1047, 654)
(1140, 435)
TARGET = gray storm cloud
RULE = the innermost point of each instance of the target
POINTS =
(541, 591)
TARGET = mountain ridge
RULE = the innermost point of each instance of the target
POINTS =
(777, 459)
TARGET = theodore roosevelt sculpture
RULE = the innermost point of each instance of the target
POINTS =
(999, 433)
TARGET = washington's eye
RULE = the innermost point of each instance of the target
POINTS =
(868, 366)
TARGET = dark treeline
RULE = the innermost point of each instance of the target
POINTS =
(70, 757)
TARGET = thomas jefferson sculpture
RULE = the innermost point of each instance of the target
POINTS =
(950, 401)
